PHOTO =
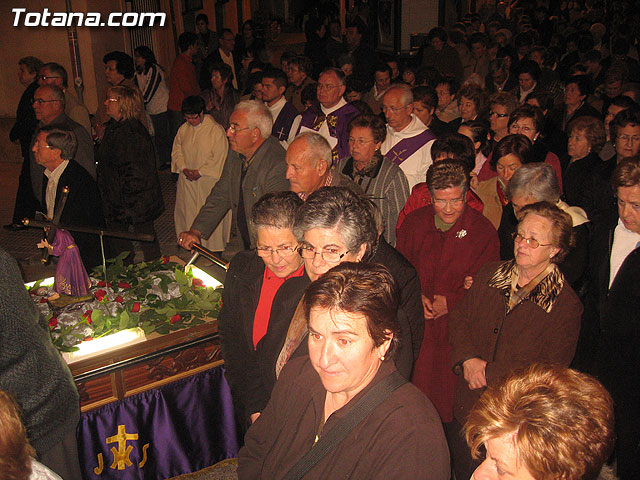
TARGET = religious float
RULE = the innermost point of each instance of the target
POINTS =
(143, 348)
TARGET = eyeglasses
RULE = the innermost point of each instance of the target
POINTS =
(454, 202)
(627, 138)
(393, 110)
(192, 117)
(39, 101)
(326, 86)
(499, 115)
(329, 255)
(234, 128)
(109, 99)
(518, 128)
(39, 147)
(285, 251)
(361, 142)
(47, 77)
(531, 242)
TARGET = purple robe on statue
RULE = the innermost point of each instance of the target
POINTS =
(71, 277)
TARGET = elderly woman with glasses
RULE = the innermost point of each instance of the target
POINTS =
(336, 225)
(446, 242)
(516, 313)
(256, 309)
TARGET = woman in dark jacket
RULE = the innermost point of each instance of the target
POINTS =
(222, 98)
(127, 178)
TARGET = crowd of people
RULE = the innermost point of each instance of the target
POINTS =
(440, 252)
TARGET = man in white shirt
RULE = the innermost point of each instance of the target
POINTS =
(329, 117)
(274, 84)
(408, 142)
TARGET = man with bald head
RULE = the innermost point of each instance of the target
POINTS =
(309, 166)
(330, 115)
(408, 141)
(48, 105)
(55, 74)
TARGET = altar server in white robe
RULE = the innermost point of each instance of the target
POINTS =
(199, 152)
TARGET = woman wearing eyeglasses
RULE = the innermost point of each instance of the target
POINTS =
(446, 242)
(516, 313)
(253, 301)
(501, 104)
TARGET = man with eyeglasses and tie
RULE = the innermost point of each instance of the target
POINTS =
(408, 142)
(254, 166)
(48, 105)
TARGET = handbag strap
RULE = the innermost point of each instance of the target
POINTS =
(334, 437)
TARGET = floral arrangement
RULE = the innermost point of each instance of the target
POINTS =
(156, 296)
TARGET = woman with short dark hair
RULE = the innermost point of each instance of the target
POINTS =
(350, 313)
(222, 98)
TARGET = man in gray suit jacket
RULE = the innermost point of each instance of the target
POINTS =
(255, 165)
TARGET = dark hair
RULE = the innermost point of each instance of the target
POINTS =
(303, 63)
(456, 146)
(359, 25)
(252, 80)
(203, 17)
(344, 59)
(274, 210)
(147, 54)
(451, 82)
(544, 99)
(33, 64)
(362, 107)
(480, 131)
(518, 145)
(57, 69)
(478, 37)
(426, 95)
(475, 94)
(193, 105)
(62, 139)
(309, 94)
(373, 122)
(626, 174)
(630, 116)
(382, 67)
(360, 288)
(592, 56)
(438, 32)
(530, 67)
(528, 111)
(583, 83)
(447, 174)
(185, 40)
(124, 63)
(225, 71)
(355, 84)
(623, 101)
(561, 226)
(278, 76)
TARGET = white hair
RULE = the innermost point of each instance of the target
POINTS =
(258, 116)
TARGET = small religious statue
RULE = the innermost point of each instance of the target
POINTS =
(71, 277)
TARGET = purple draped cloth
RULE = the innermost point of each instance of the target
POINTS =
(71, 276)
(408, 146)
(179, 428)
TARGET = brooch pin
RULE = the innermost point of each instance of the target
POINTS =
(461, 233)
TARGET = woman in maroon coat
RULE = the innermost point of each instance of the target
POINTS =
(445, 242)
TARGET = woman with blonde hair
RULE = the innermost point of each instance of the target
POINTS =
(127, 177)
(542, 422)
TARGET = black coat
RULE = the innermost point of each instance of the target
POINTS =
(127, 177)
(26, 121)
(580, 183)
(82, 209)
(251, 372)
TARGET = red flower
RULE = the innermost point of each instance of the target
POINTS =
(87, 316)
(43, 300)
(165, 259)
(175, 318)
(86, 339)
(100, 294)
(119, 299)
(123, 285)
(196, 282)
(136, 307)
(101, 283)
(53, 322)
